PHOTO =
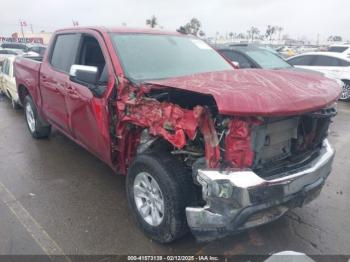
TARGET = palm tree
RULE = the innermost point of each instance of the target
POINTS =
(152, 22)
(270, 31)
(231, 34)
(253, 31)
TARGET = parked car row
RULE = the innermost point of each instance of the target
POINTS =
(8, 54)
(28, 49)
(331, 64)
(8, 83)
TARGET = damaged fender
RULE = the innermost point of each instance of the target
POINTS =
(168, 120)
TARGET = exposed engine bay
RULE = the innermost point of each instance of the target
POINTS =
(201, 138)
(268, 146)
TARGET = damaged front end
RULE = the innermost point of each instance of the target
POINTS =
(270, 165)
(249, 169)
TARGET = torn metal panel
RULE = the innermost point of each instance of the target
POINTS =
(206, 126)
(238, 150)
(164, 119)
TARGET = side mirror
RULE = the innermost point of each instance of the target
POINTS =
(83, 74)
(235, 63)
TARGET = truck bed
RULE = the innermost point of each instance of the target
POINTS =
(27, 70)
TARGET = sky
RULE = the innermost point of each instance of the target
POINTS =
(300, 18)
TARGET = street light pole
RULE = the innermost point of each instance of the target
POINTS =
(21, 24)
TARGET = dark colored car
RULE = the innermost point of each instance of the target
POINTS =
(245, 56)
(13, 45)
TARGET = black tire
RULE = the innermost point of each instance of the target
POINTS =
(177, 189)
(40, 129)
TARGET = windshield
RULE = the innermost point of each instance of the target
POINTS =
(267, 60)
(146, 56)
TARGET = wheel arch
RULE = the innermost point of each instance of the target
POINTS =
(22, 93)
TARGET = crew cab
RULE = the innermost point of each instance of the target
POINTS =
(203, 146)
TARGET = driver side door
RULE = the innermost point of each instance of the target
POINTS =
(87, 110)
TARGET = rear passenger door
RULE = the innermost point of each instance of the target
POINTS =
(54, 78)
(331, 66)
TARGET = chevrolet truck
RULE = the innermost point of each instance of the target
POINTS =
(204, 147)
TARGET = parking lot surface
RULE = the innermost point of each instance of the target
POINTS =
(56, 197)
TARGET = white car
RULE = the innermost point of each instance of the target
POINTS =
(341, 49)
(8, 82)
(4, 53)
(332, 64)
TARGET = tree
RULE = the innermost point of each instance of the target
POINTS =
(252, 32)
(270, 31)
(152, 22)
(193, 27)
(334, 38)
(231, 35)
(241, 36)
(201, 33)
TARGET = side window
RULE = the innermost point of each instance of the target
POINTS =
(6, 67)
(90, 54)
(3, 66)
(343, 63)
(326, 61)
(305, 60)
(64, 52)
(237, 57)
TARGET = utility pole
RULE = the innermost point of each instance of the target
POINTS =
(31, 28)
(21, 24)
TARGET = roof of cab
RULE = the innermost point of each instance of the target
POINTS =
(122, 30)
(321, 53)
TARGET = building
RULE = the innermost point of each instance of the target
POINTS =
(29, 37)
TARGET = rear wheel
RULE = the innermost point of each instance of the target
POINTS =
(35, 124)
(158, 190)
(345, 95)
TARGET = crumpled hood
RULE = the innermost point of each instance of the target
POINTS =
(260, 92)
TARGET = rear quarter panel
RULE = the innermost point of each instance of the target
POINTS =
(26, 73)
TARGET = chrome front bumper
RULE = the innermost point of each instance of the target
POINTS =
(239, 199)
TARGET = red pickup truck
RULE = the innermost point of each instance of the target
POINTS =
(204, 146)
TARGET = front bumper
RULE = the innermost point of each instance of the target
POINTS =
(239, 199)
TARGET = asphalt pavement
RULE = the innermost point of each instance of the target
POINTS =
(57, 198)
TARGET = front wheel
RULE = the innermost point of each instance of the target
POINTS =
(35, 124)
(158, 190)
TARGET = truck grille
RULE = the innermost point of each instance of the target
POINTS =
(282, 144)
